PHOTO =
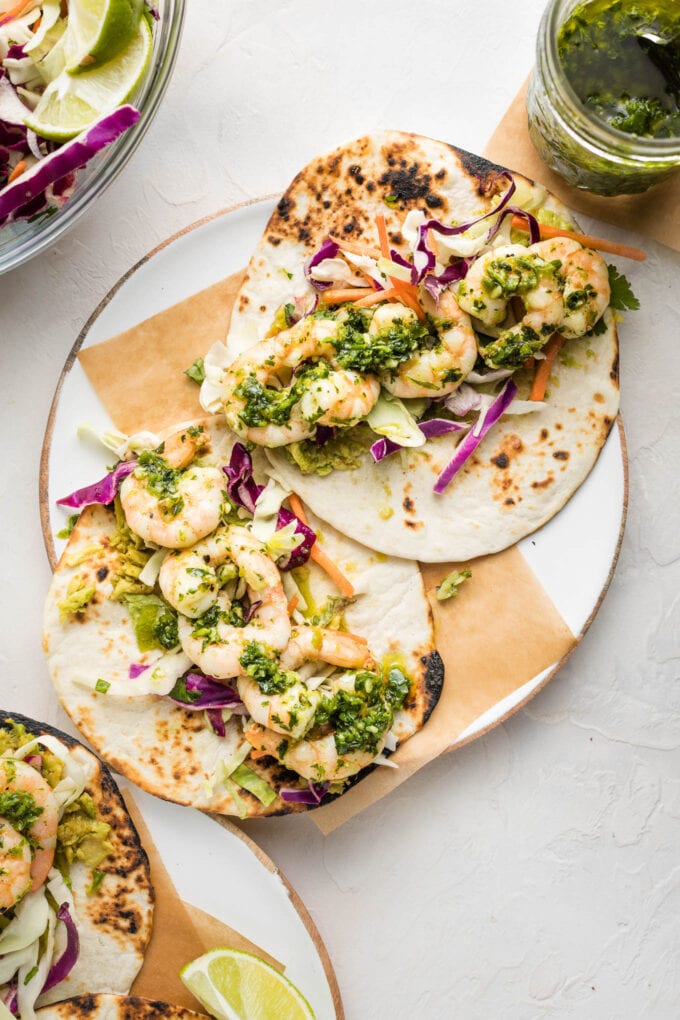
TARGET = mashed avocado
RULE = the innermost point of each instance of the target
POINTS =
(343, 452)
(78, 596)
(133, 557)
(81, 837)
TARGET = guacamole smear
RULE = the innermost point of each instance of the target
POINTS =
(342, 452)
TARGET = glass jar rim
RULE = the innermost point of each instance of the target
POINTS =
(600, 135)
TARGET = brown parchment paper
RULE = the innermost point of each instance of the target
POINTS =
(181, 932)
(482, 664)
(139, 374)
(654, 213)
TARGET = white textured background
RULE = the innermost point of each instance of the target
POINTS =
(535, 873)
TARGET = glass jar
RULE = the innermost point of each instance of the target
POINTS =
(583, 149)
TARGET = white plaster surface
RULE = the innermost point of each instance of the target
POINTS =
(535, 873)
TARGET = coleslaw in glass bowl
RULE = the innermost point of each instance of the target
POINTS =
(52, 167)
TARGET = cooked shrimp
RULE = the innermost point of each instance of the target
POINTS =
(343, 397)
(484, 293)
(16, 777)
(290, 712)
(190, 579)
(15, 865)
(585, 281)
(181, 447)
(317, 759)
(268, 406)
(440, 369)
(514, 272)
(321, 644)
(173, 508)
(217, 644)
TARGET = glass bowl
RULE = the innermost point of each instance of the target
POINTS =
(21, 241)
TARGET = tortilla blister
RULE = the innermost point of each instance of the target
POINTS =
(529, 465)
(114, 923)
(114, 1007)
(174, 753)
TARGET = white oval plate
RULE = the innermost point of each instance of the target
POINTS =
(573, 556)
(223, 872)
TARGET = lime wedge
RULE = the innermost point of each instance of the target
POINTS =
(99, 30)
(233, 985)
(70, 104)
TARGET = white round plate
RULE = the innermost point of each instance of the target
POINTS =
(573, 556)
(223, 872)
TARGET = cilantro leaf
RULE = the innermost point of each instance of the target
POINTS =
(622, 297)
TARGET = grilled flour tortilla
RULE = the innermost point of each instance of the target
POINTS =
(175, 753)
(114, 923)
(529, 465)
(116, 1007)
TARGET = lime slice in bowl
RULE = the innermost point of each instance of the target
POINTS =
(70, 103)
(233, 985)
(99, 30)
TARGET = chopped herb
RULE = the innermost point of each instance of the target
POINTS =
(19, 808)
(102, 686)
(391, 200)
(622, 297)
(448, 589)
(31, 974)
(196, 371)
(97, 879)
(361, 351)
(265, 670)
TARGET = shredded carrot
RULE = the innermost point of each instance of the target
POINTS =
(256, 755)
(369, 279)
(376, 296)
(406, 291)
(433, 243)
(17, 172)
(320, 557)
(15, 11)
(292, 604)
(355, 249)
(543, 371)
(382, 235)
(599, 243)
(530, 364)
(336, 297)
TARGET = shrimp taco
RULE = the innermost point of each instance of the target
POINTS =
(75, 891)
(216, 647)
(418, 340)
(116, 1007)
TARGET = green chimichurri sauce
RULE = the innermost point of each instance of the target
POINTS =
(622, 60)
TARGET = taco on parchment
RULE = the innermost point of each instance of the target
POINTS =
(116, 1007)
(77, 900)
(199, 646)
(394, 322)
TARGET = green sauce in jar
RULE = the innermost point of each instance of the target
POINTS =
(604, 97)
(622, 60)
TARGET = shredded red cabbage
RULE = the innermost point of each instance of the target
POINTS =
(250, 612)
(39, 182)
(434, 284)
(35, 761)
(136, 669)
(104, 491)
(243, 491)
(11, 999)
(514, 210)
(67, 961)
(313, 795)
(471, 441)
(216, 721)
(328, 250)
(426, 256)
(204, 692)
(433, 427)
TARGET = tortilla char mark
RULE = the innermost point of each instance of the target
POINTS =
(340, 193)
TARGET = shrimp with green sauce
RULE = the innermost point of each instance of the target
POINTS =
(29, 811)
(216, 639)
(169, 500)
